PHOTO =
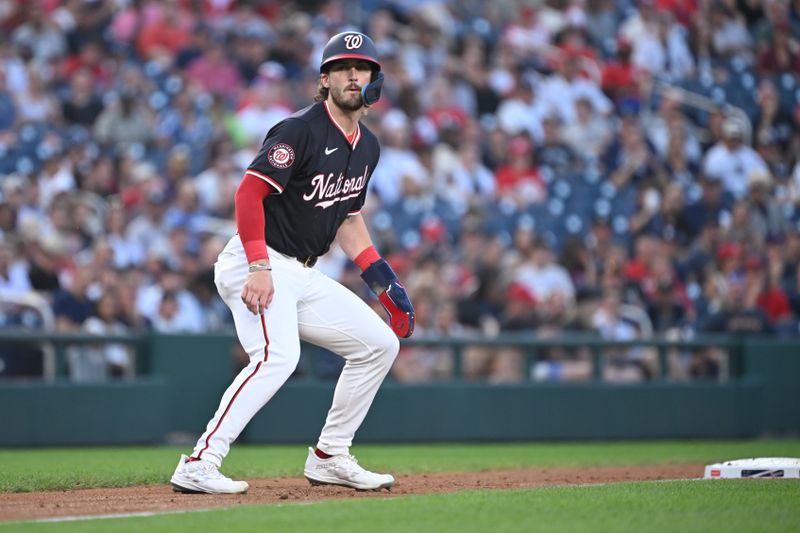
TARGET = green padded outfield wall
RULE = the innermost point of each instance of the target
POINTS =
(456, 412)
(190, 373)
(199, 369)
(61, 414)
(777, 364)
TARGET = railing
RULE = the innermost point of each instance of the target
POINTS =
(593, 352)
(598, 348)
(704, 103)
(36, 303)
(55, 364)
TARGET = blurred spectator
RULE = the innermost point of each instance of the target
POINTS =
(604, 129)
(40, 35)
(562, 89)
(124, 123)
(82, 105)
(766, 215)
(126, 251)
(629, 159)
(523, 112)
(714, 203)
(469, 178)
(71, 305)
(732, 161)
(55, 177)
(543, 278)
(621, 78)
(8, 106)
(590, 133)
(669, 125)
(619, 322)
(665, 309)
(663, 217)
(183, 130)
(553, 152)
(36, 104)
(267, 106)
(422, 364)
(678, 168)
(773, 126)
(214, 74)
(780, 54)
(399, 173)
(167, 303)
(167, 31)
(100, 361)
(14, 279)
(149, 226)
(739, 312)
(662, 51)
(728, 34)
(216, 185)
(90, 56)
(519, 180)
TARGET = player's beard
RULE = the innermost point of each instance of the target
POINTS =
(345, 100)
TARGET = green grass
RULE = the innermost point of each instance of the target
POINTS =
(57, 469)
(729, 506)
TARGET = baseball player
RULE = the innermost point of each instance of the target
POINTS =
(306, 188)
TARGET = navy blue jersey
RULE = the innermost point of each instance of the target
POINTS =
(319, 179)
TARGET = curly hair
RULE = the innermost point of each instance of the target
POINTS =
(322, 92)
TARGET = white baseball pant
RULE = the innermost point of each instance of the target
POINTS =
(306, 305)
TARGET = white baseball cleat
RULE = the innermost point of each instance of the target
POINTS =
(343, 470)
(204, 476)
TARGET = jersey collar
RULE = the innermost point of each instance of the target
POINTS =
(338, 127)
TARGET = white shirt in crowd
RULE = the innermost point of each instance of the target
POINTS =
(395, 166)
(561, 95)
(672, 58)
(189, 317)
(733, 167)
(543, 282)
(516, 116)
(17, 281)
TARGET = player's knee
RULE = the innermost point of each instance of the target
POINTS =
(389, 347)
(284, 364)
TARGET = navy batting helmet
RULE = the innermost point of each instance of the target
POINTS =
(349, 45)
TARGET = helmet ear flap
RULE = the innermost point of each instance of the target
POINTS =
(371, 92)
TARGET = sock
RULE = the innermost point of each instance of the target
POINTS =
(322, 455)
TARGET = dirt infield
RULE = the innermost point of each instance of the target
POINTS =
(161, 498)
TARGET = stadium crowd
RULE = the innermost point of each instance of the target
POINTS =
(626, 168)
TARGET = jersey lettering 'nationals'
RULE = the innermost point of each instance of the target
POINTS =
(328, 191)
(319, 179)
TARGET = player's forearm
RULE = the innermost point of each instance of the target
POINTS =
(250, 218)
(353, 236)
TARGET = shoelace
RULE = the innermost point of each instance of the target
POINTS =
(350, 464)
(209, 470)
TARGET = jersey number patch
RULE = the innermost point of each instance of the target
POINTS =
(281, 156)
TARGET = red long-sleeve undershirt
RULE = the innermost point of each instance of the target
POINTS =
(250, 218)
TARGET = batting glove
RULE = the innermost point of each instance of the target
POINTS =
(393, 296)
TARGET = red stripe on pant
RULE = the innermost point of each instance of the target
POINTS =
(230, 403)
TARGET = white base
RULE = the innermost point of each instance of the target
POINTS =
(759, 467)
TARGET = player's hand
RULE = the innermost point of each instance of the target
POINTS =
(258, 290)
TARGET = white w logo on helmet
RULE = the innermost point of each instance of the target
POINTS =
(353, 40)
